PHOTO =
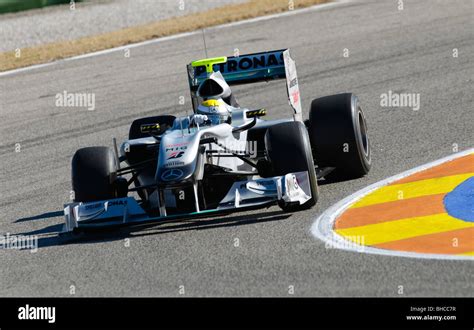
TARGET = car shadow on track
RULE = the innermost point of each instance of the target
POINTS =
(46, 215)
(330, 180)
(49, 237)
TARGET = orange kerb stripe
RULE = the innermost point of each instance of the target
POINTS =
(444, 243)
(395, 210)
(458, 166)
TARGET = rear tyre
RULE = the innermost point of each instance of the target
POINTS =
(289, 150)
(93, 174)
(338, 134)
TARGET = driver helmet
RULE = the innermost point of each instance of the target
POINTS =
(216, 110)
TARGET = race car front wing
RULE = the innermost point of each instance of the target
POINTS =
(249, 194)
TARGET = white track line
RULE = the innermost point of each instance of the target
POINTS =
(177, 36)
(322, 228)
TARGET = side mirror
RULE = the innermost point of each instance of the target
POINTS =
(245, 127)
(150, 128)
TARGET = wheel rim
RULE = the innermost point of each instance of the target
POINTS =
(363, 132)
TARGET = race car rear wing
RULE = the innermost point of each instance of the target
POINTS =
(250, 68)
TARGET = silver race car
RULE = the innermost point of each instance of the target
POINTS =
(223, 157)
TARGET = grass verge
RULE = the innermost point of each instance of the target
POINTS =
(11, 6)
(217, 16)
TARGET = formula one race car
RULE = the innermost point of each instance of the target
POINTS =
(223, 157)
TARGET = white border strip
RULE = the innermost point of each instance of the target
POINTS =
(180, 35)
(322, 228)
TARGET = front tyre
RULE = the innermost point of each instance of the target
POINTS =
(338, 134)
(289, 150)
(93, 174)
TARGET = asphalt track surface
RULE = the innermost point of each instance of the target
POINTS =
(48, 23)
(407, 51)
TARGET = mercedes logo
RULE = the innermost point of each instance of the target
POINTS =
(172, 174)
